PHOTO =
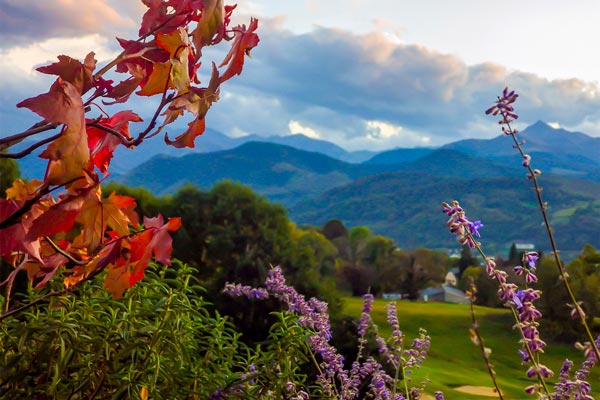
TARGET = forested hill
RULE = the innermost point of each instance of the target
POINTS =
(406, 207)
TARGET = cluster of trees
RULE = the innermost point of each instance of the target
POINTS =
(231, 234)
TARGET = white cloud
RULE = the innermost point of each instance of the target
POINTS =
(377, 130)
(296, 127)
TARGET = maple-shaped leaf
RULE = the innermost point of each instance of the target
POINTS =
(97, 214)
(23, 190)
(211, 23)
(68, 154)
(102, 144)
(60, 217)
(137, 252)
(71, 70)
(244, 41)
(187, 138)
(178, 46)
(197, 101)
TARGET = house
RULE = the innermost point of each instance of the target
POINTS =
(445, 294)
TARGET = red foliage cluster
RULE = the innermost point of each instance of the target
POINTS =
(64, 221)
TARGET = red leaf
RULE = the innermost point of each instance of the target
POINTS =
(244, 41)
(123, 89)
(102, 144)
(130, 267)
(58, 218)
(14, 238)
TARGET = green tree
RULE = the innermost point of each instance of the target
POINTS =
(466, 259)
(9, 171)
(231, 234)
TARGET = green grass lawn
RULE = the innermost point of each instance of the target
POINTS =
(454, 360)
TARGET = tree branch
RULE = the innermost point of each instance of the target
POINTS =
(41, 126)
(31, 148)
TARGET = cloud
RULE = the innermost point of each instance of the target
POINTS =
(352, 79)
(296, 127)
(26, 21)
(361, 91)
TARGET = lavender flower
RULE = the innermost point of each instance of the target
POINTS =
(503, 106)
(365, 316)
(237, 290)
(459, 225)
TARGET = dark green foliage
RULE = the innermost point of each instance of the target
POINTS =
(466, 259)
(233, 235)
(584, 277)
(487, 289)
(147, 204)
(160, 336)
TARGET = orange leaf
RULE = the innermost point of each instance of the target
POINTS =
(158, 81)
(178, 46)
(109, 254)
(97, 214)
(21, 190)
(129, 269)
(186, 139)
(245, 40)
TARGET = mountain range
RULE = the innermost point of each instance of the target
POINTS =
(397, 192)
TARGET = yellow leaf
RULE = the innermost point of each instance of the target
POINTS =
(21, 190)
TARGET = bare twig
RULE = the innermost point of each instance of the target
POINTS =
(31, 148)
(478, 339)
(64, 253)
(9, 141)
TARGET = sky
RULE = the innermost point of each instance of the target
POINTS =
(364, 74)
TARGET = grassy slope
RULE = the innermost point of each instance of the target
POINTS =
(453, 360)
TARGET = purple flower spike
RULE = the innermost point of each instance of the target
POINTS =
(474, 227)
(531, 258)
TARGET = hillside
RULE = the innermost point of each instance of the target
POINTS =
(400, 155)
(283, 173)
(406, 207)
